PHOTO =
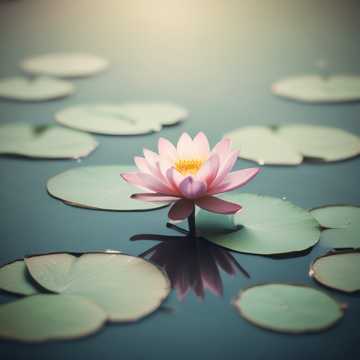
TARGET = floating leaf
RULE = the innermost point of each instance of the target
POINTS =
(64, 64)
(14, 278)
(317, 89)
(289, 144)
(261, 144)
(125, 119)
(288, 308)
(320, 142)
(44, 141)
(338, 270)
(97, 187)
(265, 226)
(126, 287)
(38, 89)
(342, 225)
(50, 317)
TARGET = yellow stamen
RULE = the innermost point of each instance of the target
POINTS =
(186, 167)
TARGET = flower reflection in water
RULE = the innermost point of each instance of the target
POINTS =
(191, 263)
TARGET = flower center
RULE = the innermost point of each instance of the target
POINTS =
(186, 167)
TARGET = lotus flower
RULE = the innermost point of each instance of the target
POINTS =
(189, 174)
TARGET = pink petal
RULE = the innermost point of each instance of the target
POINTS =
(154, 197)
(165, 165)
(235, 180)
(174, 178)
(192, 189)
(185, 147)
(201, 144)
(216, 205)
(167, 150)
(181, 209)
(226, 167)
(146, 181)
(151, 157)
(209, 170)
(222, 148)
(141, 164)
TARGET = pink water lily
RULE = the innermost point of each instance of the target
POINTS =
(189, 174)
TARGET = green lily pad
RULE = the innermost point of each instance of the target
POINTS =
(317, 89)
(126, 287)
(338, 270)
(44, 141)
(265, 226)
(97, 187)
(288, 308)
(123, 119)
(14, 278)
(38, 89)
(64, 64)
(342, 225)
(262, 145)
(49, 317)
(290, 144)
(320, 142)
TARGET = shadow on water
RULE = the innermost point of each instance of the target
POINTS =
(192, 264)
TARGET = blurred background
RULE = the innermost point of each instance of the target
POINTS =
(217, 58)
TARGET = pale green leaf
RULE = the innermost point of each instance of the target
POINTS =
(342, 225)
(126, 287)
(64, 64)
(318, 89)
(265, 226)
(14, 278)
(340, 271)
(288, 308)
(49, 317)
(38, 89)
(98, 187)
(44, 141)
(121, 119)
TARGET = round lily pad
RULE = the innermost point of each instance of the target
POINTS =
(264, 226)
(14, 278)
(288, 308)
(320, 142)
(49, 317)
(318, 89)
(64, 64)
(38, 89)
(97, 187)
(290, 144)
(44, 141)
(123, 119)
(342, 225)
(338, 270)
(126, 287)
(262, 145)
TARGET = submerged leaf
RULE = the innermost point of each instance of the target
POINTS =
(126, 287)
(342, 225)
(64, 64)
(44, 141)
(14, 278)
(97, 187)
(38, 89)
(265, 226)
(49, 317)
(338, 270)
(318, 89)
(123, 119)
(288, 308)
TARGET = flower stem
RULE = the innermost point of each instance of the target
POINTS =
(192, 226)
